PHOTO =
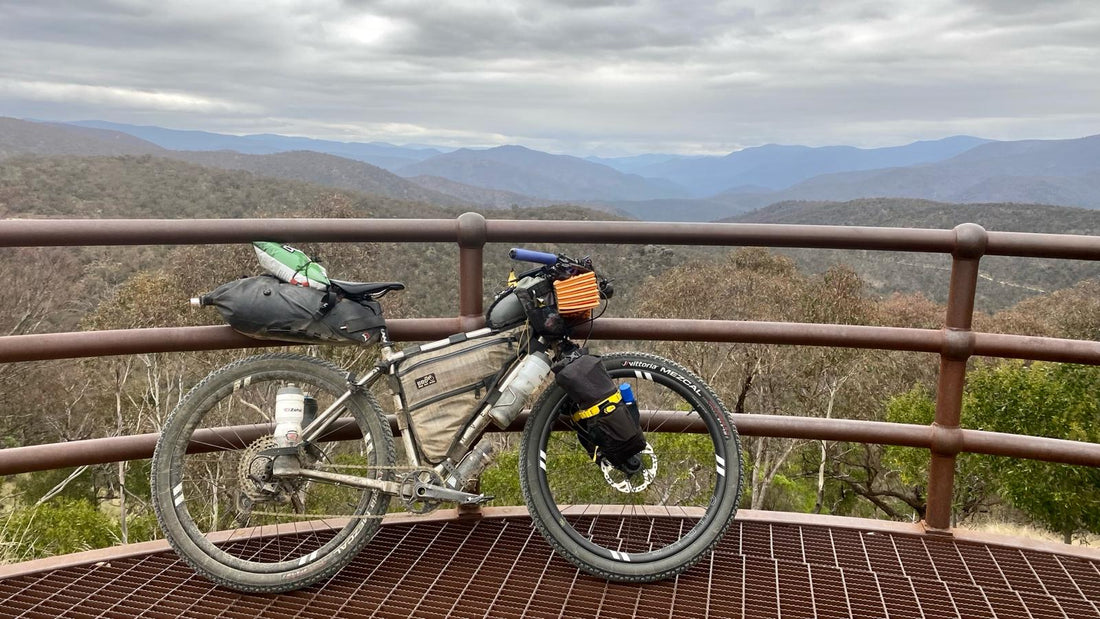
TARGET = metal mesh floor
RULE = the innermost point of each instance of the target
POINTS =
(498, 567)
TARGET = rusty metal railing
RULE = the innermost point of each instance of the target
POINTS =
(955, 343)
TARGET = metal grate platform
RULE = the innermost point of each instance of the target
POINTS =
(497, 567)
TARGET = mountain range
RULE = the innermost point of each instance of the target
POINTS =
(539, 174)
(137, 179)
(775, 166)
(959, 169)
(379, 154)
(1061, 172)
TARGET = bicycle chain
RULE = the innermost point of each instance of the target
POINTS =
(405, 468)
(409, 504)
(286, 516)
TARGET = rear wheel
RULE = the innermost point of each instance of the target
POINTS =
(657, 522)
(225, 511)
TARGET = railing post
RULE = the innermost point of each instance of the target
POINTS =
(970, 245)
(471, 269)
(471, 245)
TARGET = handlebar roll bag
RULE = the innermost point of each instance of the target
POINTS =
(506, 311)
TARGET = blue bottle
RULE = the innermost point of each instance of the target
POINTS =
(627, 393)
(628, 401)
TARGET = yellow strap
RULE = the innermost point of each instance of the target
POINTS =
(599, 408)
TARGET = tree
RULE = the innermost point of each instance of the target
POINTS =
(975, 475)
(1043, 399)
(754, 284)
(1036, 399)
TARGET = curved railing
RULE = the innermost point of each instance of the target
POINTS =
(955, 343)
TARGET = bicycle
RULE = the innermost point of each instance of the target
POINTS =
(260, 499)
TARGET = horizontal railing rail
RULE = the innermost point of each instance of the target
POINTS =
(140, 446)
(955, 343)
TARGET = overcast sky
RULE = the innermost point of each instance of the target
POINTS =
(606, 77)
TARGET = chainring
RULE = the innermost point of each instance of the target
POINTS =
(410, 484)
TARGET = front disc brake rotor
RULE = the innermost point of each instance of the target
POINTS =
(631, 484)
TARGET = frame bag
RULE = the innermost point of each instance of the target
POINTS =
(441, 388)
(266, 308)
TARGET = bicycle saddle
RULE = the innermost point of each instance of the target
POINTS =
(366, 289)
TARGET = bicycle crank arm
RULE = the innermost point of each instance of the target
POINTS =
(439, 493)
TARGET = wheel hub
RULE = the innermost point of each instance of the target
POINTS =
(634, 483)
(254, 474)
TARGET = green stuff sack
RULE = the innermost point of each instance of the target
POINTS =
(291, 265)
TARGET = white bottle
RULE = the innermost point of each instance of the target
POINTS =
(290, 408)
(518, 386)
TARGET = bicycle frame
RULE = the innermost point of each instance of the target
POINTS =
(473, 432)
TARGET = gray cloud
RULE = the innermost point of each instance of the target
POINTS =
(564, 75)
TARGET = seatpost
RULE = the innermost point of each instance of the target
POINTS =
(387, 346)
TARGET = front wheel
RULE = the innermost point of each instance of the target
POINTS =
(658, 522)
(223, 507)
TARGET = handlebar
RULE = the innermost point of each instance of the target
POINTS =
(560, 266)
(528, 255)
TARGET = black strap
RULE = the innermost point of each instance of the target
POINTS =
(329, 301)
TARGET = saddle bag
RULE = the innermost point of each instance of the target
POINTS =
(441, 387)
(266, 308)
(607, 420)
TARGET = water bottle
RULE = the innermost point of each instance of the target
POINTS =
(521, 384)
(473, 464)
(290, 409)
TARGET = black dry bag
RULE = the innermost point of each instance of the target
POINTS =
(606, 424)
(267, 308)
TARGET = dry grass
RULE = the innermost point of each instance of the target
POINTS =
(1012, 529)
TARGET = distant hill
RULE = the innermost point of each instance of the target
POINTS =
(20, 137)
(913, 213)
(379, 154)
(155, 187)
(1058, 172)
(151, 187)
(961, 169)
(775, 166)
(541, 175)
(631, 165)
(671, 209)
(1003, 281)
(322, 169)
(479, 196)
(176, 139)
